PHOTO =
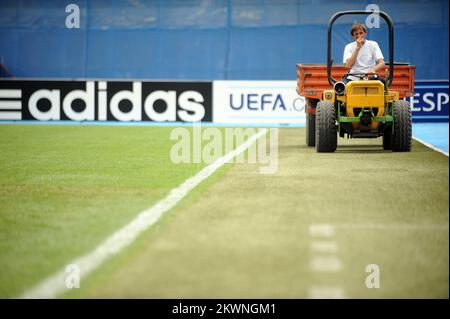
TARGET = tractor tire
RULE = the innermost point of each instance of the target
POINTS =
(402, 135)
(387, 139)
(310, 129)
(326, 132)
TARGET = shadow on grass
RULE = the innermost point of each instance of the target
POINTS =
(361, 148)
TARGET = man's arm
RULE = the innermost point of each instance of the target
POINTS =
(351, 61)
(380, 66)
(379, 57)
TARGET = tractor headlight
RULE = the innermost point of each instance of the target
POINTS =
(339, 88)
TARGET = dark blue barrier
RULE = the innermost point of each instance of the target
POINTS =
(194, 39)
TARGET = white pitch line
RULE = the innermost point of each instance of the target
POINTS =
(325, 264)
(321, 230)
(324, 246)
(396, 227)
(434, 148)
(55, 284)
(326, 293)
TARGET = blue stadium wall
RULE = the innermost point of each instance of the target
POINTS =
(206, 39)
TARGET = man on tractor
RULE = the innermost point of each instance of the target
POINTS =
(363, 56)
(357, 109)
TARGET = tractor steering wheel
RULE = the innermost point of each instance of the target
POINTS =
(362, 76)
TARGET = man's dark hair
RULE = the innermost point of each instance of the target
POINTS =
(357, 26)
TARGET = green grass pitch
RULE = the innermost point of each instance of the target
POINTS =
(63, 189)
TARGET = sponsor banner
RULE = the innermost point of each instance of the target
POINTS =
(277, 102)
(224, 102)
(105, 101)
(257, 102)
(430, 101)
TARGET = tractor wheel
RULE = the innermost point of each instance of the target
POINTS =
(402, 135)
(387, 139)
(326, 133)
(310, 129)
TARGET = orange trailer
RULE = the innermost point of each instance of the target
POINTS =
(312, 81)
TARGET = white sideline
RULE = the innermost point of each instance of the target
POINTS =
(434, 148)
(393, 227)
(319, 292)
(55, 284)
(321, 230)
(323, 247)
(325, 264)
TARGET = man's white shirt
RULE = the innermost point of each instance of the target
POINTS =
(367, 57)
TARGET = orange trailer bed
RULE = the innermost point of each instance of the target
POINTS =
(312, 79)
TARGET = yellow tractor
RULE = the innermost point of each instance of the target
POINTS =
(358, 109)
